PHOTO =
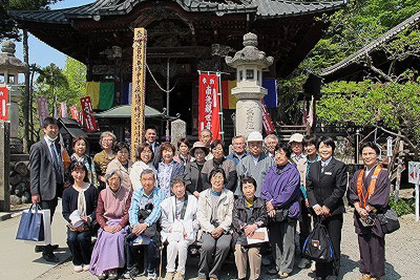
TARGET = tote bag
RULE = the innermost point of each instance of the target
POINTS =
(31, 226)
(318, 246)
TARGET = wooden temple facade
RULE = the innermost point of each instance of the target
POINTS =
(189, 34)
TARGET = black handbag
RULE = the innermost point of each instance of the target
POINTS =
(318, 245)
(389, 221)
(281, 215)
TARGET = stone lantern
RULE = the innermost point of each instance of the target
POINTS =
(10, 68)
(249, 62)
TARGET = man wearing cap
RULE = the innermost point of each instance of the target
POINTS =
(255, 164)
(296, 144)
(239, 152)
(192, 174)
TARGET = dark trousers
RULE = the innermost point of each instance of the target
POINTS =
(51, 205)
(80, 246)
(213, 253)
(152, 255)
(372, 254)
(333, 224)
(304, 224)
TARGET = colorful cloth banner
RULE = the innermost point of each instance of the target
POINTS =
(4, 100)
(106, 95)
(270, 99)
(88, 121)
(74, 113)
(62, 110)
(42, 109)
(267, 123)
(209, 104)
(92, 90)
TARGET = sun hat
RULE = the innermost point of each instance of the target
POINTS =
(296, 137)
(255, 136)
(200, 145)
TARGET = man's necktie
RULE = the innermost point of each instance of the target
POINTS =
(323, 165)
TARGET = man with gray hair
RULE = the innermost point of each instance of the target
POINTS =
(255, 164)
(271, 142)
(239, 151)
(206, 137)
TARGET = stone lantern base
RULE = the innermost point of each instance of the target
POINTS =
(248, 116)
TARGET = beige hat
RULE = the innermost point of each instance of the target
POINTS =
(296, 137)
(200, 145)
(255, 136)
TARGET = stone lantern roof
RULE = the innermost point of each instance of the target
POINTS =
(250, 54)
(8, 60)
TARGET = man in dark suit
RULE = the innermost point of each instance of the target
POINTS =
(151, 136)
(47, 175)
(326, 185)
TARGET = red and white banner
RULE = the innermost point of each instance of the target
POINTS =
(267, 123)
(88, 121)
(4, 106)
(74, 113)
(62, 110)
(42, 109)
(209, 104)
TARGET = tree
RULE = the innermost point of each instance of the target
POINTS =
(75, 72)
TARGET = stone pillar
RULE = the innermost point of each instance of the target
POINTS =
(4, 167)
(249, 63)
(178, 131)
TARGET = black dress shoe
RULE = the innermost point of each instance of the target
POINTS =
(50, 257)
(40, 248)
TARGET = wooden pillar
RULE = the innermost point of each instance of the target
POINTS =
(139, 89)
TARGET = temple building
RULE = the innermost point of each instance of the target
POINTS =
(186, 35)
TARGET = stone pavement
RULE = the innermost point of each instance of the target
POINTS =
(18, 259)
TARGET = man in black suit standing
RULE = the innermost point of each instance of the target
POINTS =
(326, 185)
(47, 175)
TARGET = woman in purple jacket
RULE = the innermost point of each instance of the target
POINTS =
(281, 189)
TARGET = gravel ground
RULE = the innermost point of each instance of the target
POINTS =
(402, 257)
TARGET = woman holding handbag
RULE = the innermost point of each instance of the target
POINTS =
(79, 206)
(326, 184)
(281, 190)
(368, 193)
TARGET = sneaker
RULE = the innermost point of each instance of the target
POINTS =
(78, 268)
(169, 275)
(86, 267)
(179, 276)
(304, 263)
(113, 274)
(131, 273)
(103, 275)
(151, 275)
(283, 275)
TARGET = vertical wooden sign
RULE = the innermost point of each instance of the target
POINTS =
(138, 89)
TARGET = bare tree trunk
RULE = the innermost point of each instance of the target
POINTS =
(25, 103)
(31, 101)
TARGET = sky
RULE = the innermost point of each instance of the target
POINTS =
(39, 52)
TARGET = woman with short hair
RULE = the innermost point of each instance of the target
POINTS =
(79, 205)
(103, 158)
(281, 190)
(168, 168)
(112, 216)
(249, 214)
(326, 184)
(219, 161)
(369, 193)
(183, 147)
(179, 228)
(215, 207)
(144, 160)
(122, 163)
(79, 147)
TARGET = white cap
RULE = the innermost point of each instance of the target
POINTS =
(255, 136)
(296, 137)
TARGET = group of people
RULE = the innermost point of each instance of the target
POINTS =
(176, 197)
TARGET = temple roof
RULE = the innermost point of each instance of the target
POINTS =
(342, 68)
(262, 9)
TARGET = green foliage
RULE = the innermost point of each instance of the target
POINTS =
(398, 105)
(75, 72)
(402, 206)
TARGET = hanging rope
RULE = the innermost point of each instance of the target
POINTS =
(157, 83)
